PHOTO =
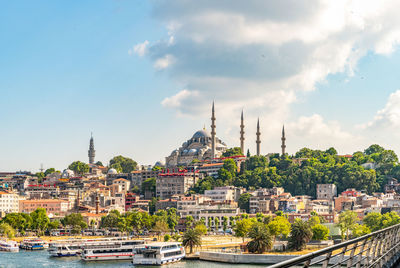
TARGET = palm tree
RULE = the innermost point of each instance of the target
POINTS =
(191, 238)
(300, 235)
(261, 238)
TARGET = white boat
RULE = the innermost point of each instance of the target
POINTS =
(74, 247)
(34, 244)
(159, 253)
(65, 249)
(9, 246)
(110, 250)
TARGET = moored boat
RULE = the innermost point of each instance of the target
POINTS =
(158, 253)
(9, 246)
(110, 250)
(34, 244)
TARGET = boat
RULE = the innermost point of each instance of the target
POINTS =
(65, 249)
(159, 253)
(73, 247)
(9, 246)
(34, 244)
(110, 250)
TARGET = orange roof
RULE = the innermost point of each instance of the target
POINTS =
(88, 214)
(212, 165)
(121, 179)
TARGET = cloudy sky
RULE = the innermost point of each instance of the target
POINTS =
(141, 75)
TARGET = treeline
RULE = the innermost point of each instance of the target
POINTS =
(300, 173)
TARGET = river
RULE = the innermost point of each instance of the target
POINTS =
(40, 259)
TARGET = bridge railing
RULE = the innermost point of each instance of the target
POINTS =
(377, 249)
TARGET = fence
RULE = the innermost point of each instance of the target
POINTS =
(377, 249)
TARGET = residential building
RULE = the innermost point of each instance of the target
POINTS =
(9, 202)
(326, 191)
(169, 184)
(53, 206)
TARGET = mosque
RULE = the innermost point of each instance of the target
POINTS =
(205, 146)
(202, 146)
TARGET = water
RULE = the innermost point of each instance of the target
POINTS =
(41, 259)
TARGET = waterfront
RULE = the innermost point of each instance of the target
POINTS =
(36, 259)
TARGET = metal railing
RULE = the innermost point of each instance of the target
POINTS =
(377, 249)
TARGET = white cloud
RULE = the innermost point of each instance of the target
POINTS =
(258, 55)
(139, 49)
(387, 117)
(164, 62)
(265, 47)
(178, 99)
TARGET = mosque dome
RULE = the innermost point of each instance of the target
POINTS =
(201, 134)
(112, 171)
(67, 173)
(159, 164)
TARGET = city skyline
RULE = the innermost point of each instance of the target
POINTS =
(142, 76)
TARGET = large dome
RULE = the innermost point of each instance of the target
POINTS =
(202, 134)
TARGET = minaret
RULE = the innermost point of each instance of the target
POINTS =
(258, 133)
(213, 132)
(97, 203)
(283, 146)
(242, 133)
(91, 152)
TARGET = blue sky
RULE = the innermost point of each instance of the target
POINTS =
(71, 68)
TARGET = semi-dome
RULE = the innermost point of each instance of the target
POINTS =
(112, 171)
(192, 151)
(159, 164)
(201, 134)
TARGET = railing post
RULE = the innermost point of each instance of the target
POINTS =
(327, 259)
(360, 254)
(350, 260)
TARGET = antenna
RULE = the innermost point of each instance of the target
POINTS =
(41, 168)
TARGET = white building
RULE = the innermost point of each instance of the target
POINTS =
(9, 202)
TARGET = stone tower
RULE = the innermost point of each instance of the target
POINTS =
(91, 152)
(258, 141)
(283, 146)
(242, 133)
(213, 133)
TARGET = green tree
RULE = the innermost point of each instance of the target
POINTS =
(320, 232)
(111, 220)
(39, 220)
(261, 239)
(99, 163)
(74, 219)
(201, 228)
(300, 235)
(216, 223)
(191, 238)
(49, 171)
(236, 151)
(79, 167)
(149, 185)
(6, 230)
(279, 226)
(244, 201)
(172, 219)
(373, 149)
(242, 228)
(123, 164)
(347, 221)
(160, 227)
(224, 224)
(360, 230)
(167, 237)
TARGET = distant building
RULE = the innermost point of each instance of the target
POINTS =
(53, 206)
(169, 184)
(326, 191)
(9, 202)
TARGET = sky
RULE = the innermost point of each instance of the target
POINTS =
(142, 75)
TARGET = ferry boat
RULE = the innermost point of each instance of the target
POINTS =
(73, 247)
(115, 250)
(34, 244)
(9, 246)
(159, 254)
(65, 249)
